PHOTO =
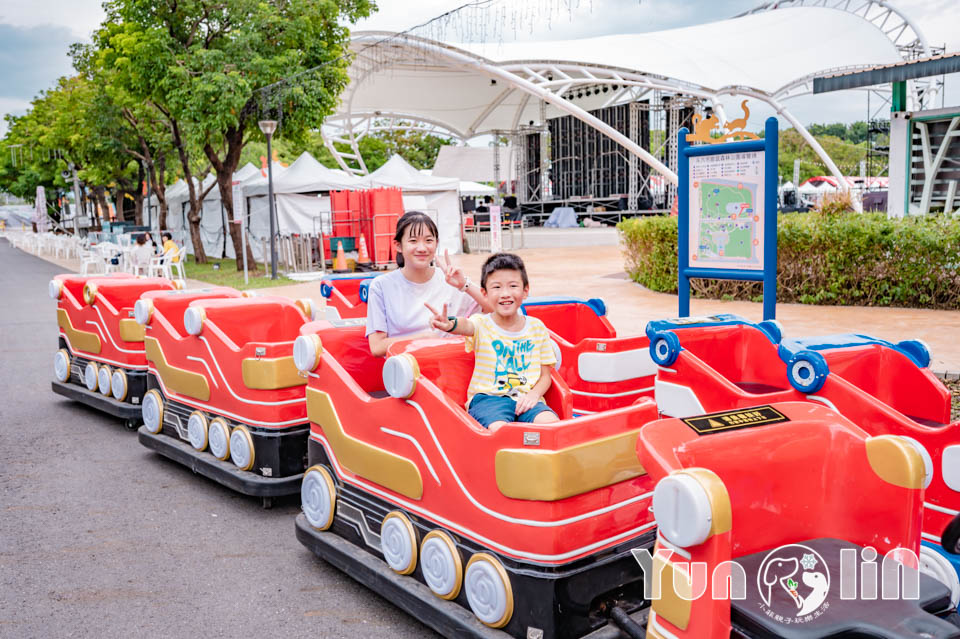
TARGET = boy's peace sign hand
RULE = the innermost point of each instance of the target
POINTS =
(454, 274)
(439, 321)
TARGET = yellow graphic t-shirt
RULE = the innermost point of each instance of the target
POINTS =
(507, 363)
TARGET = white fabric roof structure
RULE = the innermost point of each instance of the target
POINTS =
(398, 172)
(468, 188)
(474, 163)
(438, 197)
(769, 54)
(305, 175)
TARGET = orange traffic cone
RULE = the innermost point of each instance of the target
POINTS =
(340, 263)
(363, 257)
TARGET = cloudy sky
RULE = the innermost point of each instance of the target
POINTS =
(35, 36)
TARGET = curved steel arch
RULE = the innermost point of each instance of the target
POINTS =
(547, 81)
(902, 32)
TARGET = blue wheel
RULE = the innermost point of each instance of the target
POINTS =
(807, 371)
(364, 291)
(664, 348)
(326, 290)
(916, 350)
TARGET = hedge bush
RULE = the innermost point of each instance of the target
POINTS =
(844, 259)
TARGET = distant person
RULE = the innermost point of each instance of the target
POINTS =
(485, 207)
(143, 252)
(170, 247)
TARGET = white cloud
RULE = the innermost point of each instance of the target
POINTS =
(82, 17)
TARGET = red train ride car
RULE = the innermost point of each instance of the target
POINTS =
(224, 396)
(101, 360)
(709, 364)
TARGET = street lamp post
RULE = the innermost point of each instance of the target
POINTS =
(268, 127)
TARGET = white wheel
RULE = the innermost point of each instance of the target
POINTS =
(318, 497)
(939, 567)
(61, 366)
(103, 380)
(441, 565)
(218, 436)
(197, 430)
(398, 541)
(118, 385)
(152, 411)
(90, 376)
(488, 590)
(241, 448)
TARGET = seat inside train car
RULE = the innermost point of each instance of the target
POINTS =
(571, 318)
(885, 373)
(741, 353)
(172, 304)
(267, 320)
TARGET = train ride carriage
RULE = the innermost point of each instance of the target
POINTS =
(801, 549)
(723, 362)
(602, 370)
(100, 361)
(530, 527)
(224, 396)
(347, 293)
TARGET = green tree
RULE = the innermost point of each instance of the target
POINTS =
(73, 123)
(214, 67)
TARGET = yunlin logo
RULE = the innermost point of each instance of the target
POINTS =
(793, 581)
(803, 575)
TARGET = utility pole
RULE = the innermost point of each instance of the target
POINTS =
(76, 201)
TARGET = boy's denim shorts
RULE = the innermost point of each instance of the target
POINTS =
(487, 409)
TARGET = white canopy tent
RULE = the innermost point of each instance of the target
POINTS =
(301, 196)
(478, 89)
(468, 188)
(439, 197)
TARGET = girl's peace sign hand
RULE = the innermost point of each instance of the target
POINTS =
(454, 274)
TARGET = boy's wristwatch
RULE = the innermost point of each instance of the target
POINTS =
(466, 283)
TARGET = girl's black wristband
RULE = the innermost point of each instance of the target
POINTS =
(452, 318)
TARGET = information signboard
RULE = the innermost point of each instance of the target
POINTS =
(727, 209)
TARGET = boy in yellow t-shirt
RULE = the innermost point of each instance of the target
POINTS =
(170, 247)
(514, 356)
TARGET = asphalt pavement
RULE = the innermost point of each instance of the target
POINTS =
(99, 537)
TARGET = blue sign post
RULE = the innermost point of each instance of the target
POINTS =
(734, 234)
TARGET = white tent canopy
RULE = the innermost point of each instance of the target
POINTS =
(769, 55)
(438, 197)
(305, 175)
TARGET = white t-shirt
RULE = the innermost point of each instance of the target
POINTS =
(395, 305)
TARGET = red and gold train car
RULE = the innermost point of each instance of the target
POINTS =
(528, 526)
(715, 363)
(101, 360)
(224, 396)
(787, 520)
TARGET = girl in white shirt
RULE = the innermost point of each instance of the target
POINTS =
(395, 304)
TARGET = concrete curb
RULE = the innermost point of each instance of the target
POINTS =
(948, 376)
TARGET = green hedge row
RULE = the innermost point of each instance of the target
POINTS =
(848, 259)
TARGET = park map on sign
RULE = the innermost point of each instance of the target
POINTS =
(726, 211)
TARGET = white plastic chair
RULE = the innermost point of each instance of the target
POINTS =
(91, 261)
(175, 263)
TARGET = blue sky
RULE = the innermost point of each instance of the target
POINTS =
(35, 36)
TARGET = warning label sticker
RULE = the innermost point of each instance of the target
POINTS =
(735, 419)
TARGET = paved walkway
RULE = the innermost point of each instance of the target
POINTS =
(597, 271)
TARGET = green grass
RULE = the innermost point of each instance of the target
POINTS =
(228, 275)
